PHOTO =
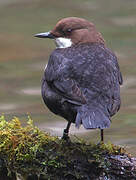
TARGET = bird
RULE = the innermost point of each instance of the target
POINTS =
(82, 79)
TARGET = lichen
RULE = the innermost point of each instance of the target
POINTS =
(26, 150)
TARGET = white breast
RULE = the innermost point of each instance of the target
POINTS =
(63, 42)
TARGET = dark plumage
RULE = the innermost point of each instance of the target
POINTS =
(82, 84)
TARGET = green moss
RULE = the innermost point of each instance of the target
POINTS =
(27, 150)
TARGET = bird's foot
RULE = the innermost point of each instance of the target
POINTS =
(102, 138)
(65, 136)
(100, 143)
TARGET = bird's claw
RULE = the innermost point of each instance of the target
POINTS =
(65, 136)
(100, 143)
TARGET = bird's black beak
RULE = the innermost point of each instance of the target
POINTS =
(45, 35)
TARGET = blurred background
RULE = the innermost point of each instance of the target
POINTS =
(23, 57)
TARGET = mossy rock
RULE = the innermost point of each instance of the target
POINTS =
(29, 153)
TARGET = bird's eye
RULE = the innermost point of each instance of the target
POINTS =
(69, 30)
(66, 32)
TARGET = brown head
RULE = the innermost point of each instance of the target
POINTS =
(73, 30)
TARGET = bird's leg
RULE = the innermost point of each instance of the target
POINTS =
(102, 137)
(66, 131)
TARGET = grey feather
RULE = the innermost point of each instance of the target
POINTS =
(82, 84)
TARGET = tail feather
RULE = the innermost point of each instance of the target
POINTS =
(92, 118)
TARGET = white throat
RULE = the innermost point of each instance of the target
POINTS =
(63, 42)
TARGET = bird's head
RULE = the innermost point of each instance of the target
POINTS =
(72, 30)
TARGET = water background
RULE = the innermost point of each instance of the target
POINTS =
(23, 57)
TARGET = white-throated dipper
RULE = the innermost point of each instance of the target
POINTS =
(82, 79)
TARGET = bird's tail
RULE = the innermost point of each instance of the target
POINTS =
(92, 117)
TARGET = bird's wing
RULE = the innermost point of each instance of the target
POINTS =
(108, 80)
(58, 77)
(103, 78)
(69, 89)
